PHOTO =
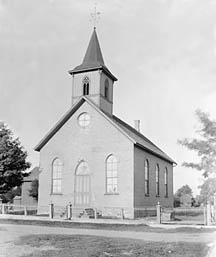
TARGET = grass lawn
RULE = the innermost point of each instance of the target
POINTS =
(92, 246)
(117, 227)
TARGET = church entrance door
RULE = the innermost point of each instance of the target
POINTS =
(82, 185)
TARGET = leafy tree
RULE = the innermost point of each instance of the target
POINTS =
(12, 160)
(183, 195)
(184, 190)
(205, 145)
(207, 190)
(34, 189)
(9, 196)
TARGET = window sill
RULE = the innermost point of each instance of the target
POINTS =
(111, 194)
(147, 195)
(166, 196)
(157, 195)
(56, 194)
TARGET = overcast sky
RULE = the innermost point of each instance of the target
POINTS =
(163, 53)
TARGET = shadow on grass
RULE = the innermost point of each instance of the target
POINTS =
(89, 246)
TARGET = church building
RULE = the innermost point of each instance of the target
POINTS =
(91, 158)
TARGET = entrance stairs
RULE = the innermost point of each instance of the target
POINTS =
(88, 213)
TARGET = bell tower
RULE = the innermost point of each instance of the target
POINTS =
(93, 79)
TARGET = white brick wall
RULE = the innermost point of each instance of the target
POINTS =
(93, 144)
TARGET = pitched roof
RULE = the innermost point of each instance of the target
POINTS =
(93, 54)
(136, 137)
(93, 58)
(141, 140)
(33, 174)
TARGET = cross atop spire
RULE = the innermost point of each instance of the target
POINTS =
(95, 16)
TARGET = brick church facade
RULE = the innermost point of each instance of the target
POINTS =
(92, 158)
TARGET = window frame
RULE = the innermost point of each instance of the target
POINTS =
(112, 177)
(106, 89)
(82, 121)
(157, 179)
(58, 179)
(146, 178)
(86, 85)
(166, 181)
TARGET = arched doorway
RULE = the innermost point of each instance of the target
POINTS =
(82, 185)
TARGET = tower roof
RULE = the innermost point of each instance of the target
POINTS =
(93, 58)
(93, 54)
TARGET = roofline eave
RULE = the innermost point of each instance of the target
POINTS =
(156, 154)
(58, 125)
(67, 116)
(106, 71)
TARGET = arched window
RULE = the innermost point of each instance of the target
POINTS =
(106, 89)
(57, 167)
(82, 169)
(111, 175)
(157, 180)
(146, 177)
(86, 86)
(166, 181)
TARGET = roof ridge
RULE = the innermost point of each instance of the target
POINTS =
(136, 131)
(140, 135)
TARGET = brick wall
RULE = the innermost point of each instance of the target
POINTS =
(92, 144)
(140, 200)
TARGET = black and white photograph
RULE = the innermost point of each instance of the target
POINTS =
(107, 128)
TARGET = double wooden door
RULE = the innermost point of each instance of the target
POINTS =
(82, 190)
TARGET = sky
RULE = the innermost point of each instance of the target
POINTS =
(163, 53)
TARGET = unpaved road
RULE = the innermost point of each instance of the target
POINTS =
(11, 232)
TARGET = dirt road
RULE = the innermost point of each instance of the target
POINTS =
(9, 233)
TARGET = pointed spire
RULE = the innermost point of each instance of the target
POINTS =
(93, 56)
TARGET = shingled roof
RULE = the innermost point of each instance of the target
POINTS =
(141, 140)
(93, 58)
(137, 138)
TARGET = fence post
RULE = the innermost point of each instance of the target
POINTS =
(3, 209)
(122, 213)
(1, 206)
(204, 212)
(25, 210)
(158, 209)
(214, 207)
(51, 210)
(208, 214)
(95, 213)
(69, 211)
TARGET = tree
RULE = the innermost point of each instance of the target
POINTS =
(205, 146)
(207, 190)
(34, 189)
(183, 196)
(9, 196)
(12, 160)
(184, 190)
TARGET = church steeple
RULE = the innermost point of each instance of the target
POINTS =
(92, 78)
(93, 58)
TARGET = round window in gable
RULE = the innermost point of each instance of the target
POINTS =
(84, 119)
